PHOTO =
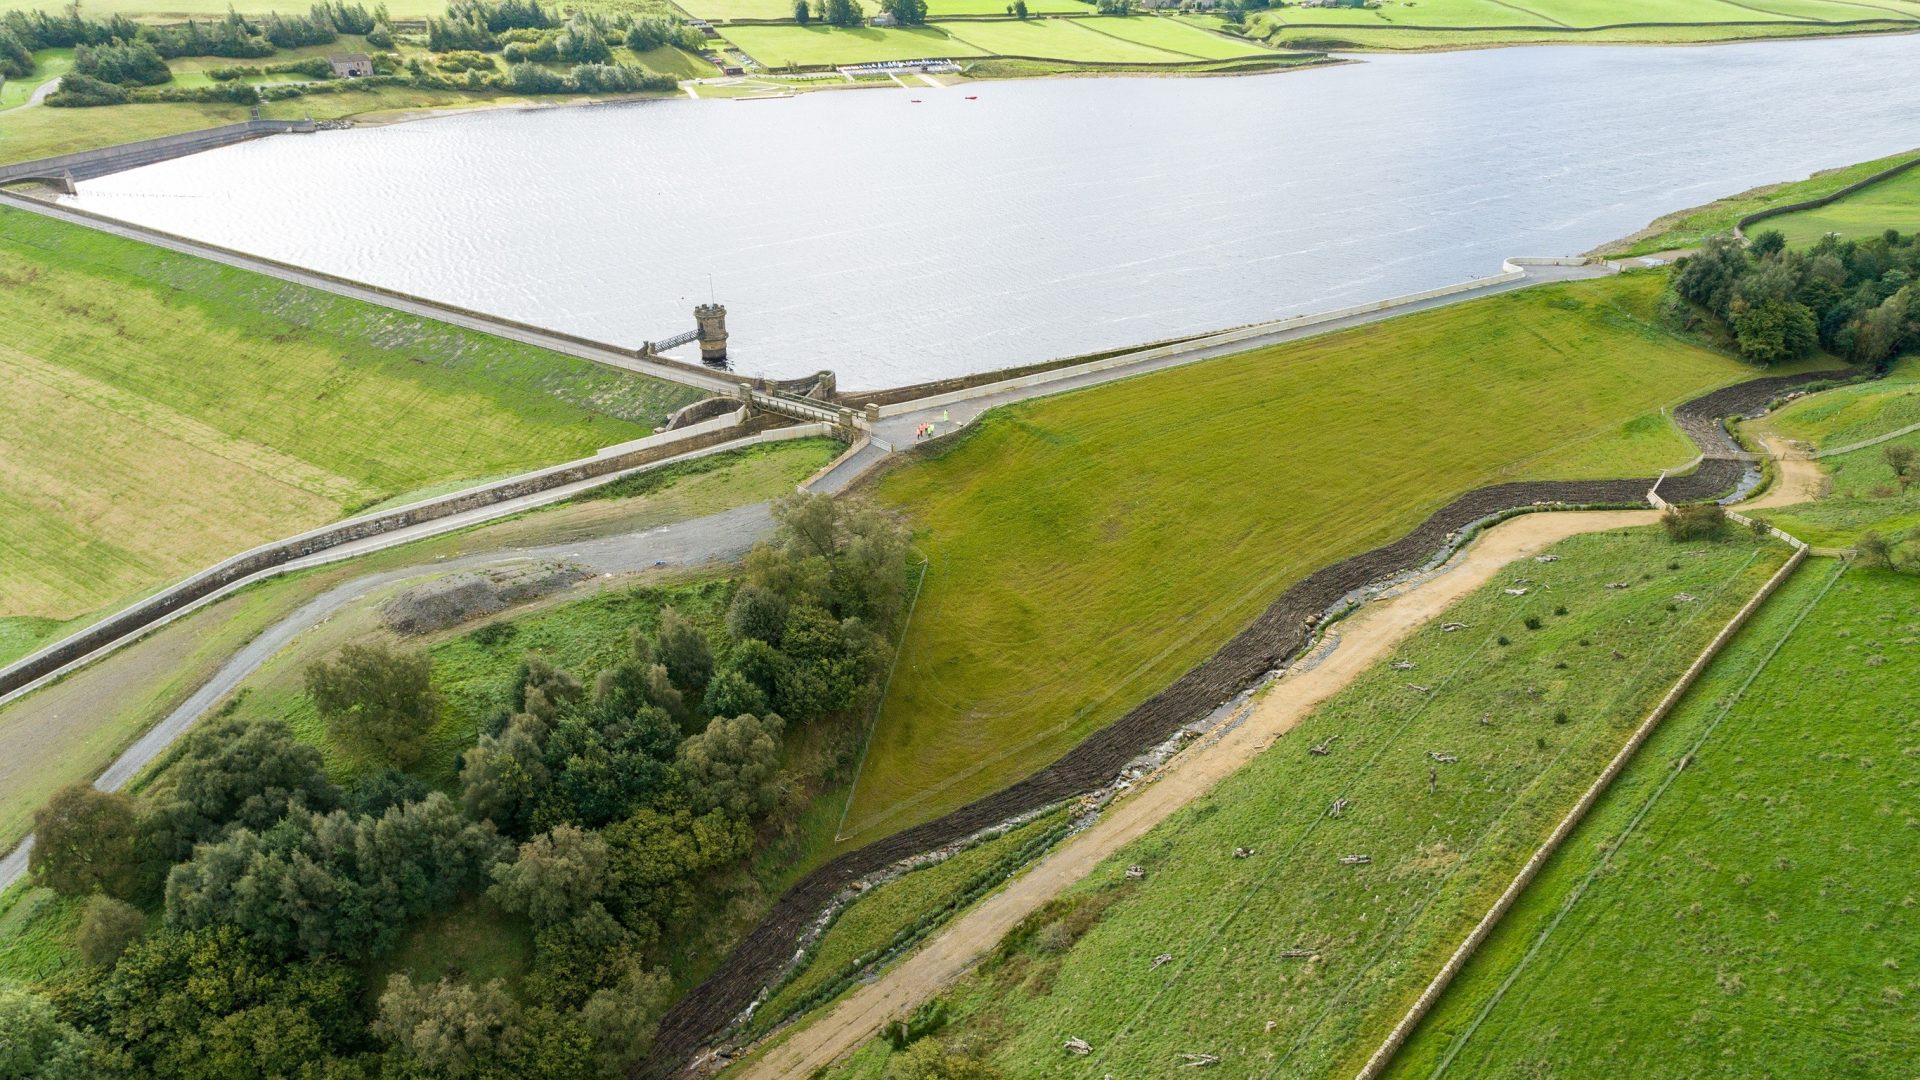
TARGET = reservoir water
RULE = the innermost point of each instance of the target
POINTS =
(903, 235)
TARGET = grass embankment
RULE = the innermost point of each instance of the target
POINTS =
(1687, 228)
(1452, 24)
(1755, 908)
(74, 729)
(1892, 203)
(1530, 715)
(883, 925)
(165, 412)
(1089, 548)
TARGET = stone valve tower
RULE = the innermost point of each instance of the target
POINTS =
(713, 332)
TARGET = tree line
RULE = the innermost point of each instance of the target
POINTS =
(1854, 298)
(232, 910)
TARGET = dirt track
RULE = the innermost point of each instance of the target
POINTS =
(1364, 640)
(1276, 634)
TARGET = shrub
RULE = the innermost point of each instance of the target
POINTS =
(107, 928)
(1695, 521)
(1531, 622)
(83, 91)
(377, 698)
(85, 842)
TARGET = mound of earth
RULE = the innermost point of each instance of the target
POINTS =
(457, 598)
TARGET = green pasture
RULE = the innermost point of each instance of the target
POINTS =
(941, 8)
(1087, 549)
(809, 46)
(1850, 414)
(1865, 496)
(1892, 203)
(1741, 902)
(1062, 39)
(1687, 228)
(1171, 35)
(1580, 14)
(143, 381)
(1290, 962)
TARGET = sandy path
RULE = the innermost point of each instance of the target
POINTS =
(1364, 640)
(1797, 479)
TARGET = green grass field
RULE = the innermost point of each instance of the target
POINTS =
(1086, 549)
(1136, 41)
(809, 46)
(1180, 38)
(1847, 415)
(1892, 203)
(1398, 40)
(1530, 721)
(1687, 228)
(144, 382)
(1755, 908)
(1865, 493)
(1061, 39)
(783, 9)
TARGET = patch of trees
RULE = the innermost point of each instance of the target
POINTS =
(608, 813)
(16, 60)
(134, 63)
(649, 32)
(1854, 298)
(582, 41)
(906, 12)
(842, 13)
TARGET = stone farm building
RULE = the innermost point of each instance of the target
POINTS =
(350, 67)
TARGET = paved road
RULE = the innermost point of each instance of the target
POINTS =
(717, 538)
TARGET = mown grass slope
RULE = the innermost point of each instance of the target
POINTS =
(1749, 914)
(1089, 548)
(1290, 962)
(164, 412)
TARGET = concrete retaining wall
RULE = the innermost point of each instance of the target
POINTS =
(1511, 270)
(1398, 1036)
(1740, 226)
(124, 625)
(87, 164)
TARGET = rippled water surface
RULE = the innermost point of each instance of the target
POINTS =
(898, 235)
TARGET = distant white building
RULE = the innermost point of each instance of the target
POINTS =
(885, 18)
